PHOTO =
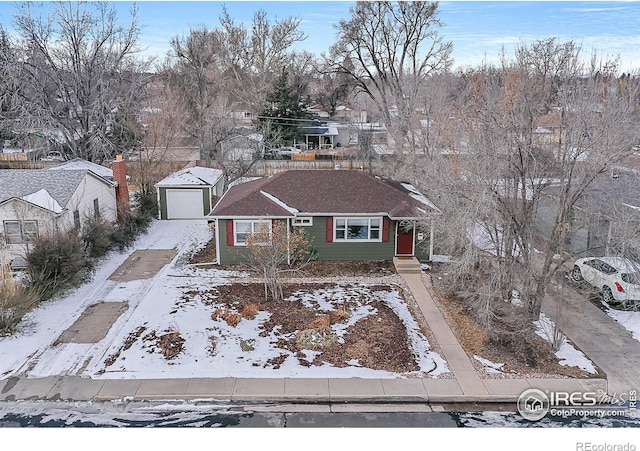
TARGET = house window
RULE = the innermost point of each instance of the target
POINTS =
(244, 228)
(96, 208)
(247, 115)
(302, 222)
(20, 232)
(76, 219)
(357, 229)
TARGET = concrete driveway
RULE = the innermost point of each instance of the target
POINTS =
(143, 264)
(608, 344)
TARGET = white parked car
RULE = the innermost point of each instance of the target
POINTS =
(53, 156)
(617, 278)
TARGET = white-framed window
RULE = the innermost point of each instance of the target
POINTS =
(357, 229)
(302, 222)
(20, 232)
(242, 228)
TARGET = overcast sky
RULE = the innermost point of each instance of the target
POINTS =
(478, 29)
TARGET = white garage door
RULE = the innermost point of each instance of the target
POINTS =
(184, 204)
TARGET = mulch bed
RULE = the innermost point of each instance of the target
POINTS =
(378, 342)
(314, 269)
(205, 255)
(475, 341)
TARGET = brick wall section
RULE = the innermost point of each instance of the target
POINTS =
(122, 191)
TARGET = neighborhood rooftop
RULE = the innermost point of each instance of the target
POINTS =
(19, 183)
(83, 165)
(323, 192)
(194, 175)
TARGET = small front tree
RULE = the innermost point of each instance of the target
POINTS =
(274, 250)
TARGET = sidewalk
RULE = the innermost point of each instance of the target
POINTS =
(438, 391)
(466, 387)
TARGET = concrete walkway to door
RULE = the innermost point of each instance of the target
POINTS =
(456, 357)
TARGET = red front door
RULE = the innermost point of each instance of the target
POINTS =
(404, 241)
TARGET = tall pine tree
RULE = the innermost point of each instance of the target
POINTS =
(286, 109)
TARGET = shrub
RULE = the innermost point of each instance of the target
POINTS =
(129, 228)
(147, 205)
(321, 323)
(96, 236)
(56, 262)
(232, 318)
(339, 315)
(250, 311)
(15, 302)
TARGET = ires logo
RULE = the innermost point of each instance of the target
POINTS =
(534, 404)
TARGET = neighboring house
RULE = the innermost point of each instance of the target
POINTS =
(606, 220)
(548, 133)
(348, 215)
(189, 193)
(242, 144)
(34, 203)
(319, 135)
(242, 114)
(346, 114)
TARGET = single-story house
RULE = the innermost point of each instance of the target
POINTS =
(37, 202)
(319, 135)
(189, 193)
(348, 215)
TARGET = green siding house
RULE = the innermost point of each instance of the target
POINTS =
(348, 215)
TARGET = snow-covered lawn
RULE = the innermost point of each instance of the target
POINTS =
(567, 354)
(166, 303)
(630, 320)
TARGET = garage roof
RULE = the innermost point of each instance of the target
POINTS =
(192, 176)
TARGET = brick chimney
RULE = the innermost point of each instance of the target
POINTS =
(122, 191)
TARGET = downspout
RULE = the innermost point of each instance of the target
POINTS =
(288, 241)
(159, 205)
(413, 244)
(217, 226)
(431, 240)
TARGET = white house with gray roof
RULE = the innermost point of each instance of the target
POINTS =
(37, 202)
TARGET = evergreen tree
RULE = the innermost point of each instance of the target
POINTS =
(286, 109)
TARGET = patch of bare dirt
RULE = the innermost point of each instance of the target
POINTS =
(321, 269)
(476, 341)
(205, 255)
(378, 341)
(170, 343)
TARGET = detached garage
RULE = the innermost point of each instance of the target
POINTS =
(189, 193)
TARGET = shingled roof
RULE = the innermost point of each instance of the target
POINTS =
(22, 183)
(319, 192)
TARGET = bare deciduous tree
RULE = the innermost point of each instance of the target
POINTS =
(256, 55)
(389, 51)
(78, 69)
(495, 191)
(275, 250)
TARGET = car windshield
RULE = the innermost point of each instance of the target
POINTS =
(631, 277)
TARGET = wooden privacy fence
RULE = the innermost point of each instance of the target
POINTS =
(272, 167)
(13, 156)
